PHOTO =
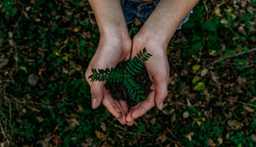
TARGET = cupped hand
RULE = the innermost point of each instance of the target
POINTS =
(158, 69)
(113, 48)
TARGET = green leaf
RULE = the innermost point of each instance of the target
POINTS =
(200, 86)
(211, 25)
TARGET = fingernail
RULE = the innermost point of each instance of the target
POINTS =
(160, 106)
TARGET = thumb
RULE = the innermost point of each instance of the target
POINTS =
(161, 94)
(97, 89)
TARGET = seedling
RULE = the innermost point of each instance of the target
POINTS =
(125, 75)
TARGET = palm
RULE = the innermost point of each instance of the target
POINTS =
(158, 69)
(108, 54)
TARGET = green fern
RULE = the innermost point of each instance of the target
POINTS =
(136, 65)
(124, 74)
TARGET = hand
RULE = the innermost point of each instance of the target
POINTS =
(113, 47)
(158, 69)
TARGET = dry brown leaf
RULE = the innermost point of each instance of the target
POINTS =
(100, 135)
(234, 124)
(189, 136)
(211, 143)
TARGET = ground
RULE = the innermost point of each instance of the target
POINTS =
(46, 45)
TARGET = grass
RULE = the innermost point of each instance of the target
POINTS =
(44, 100)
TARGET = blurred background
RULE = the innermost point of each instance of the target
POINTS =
(46, 45)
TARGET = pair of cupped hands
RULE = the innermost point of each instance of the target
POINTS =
(115, 46)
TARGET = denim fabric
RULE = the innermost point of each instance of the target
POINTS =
(138, 8)
(142, 9)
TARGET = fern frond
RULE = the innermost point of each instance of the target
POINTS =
(111, 75)
(134, 90)
(136, 65)
(117, 76)
(100, 74)
(144, 55)
(124, 74)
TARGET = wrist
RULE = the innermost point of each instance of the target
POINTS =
(116, 38)
(153, 38)
(112, 26)
(160, 31)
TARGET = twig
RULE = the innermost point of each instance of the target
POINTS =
(247, 104)
(4, 134)
(232, 56)
(2, 130)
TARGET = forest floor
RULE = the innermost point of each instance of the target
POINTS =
(45, 47)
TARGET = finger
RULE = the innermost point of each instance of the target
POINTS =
(124, 110)
(130, 123)
(120, 109)
(161, 94)
(112, 106)
(117, 108)
(141, 108)
(161, 88)
(129, 118)
(124, 106)
(97, 89)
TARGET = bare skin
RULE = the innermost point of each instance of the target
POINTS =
(114, 46)
(154, 35)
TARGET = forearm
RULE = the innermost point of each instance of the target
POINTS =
(167, 17)
(109, 15)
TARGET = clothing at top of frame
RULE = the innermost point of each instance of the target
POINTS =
(142, 9)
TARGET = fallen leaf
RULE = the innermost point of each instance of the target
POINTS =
(234, 124)
(211, 143)
(253, 137)
(185, 114)
(249, 109)
(100, 135)
(189, 136)
(33, 79)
